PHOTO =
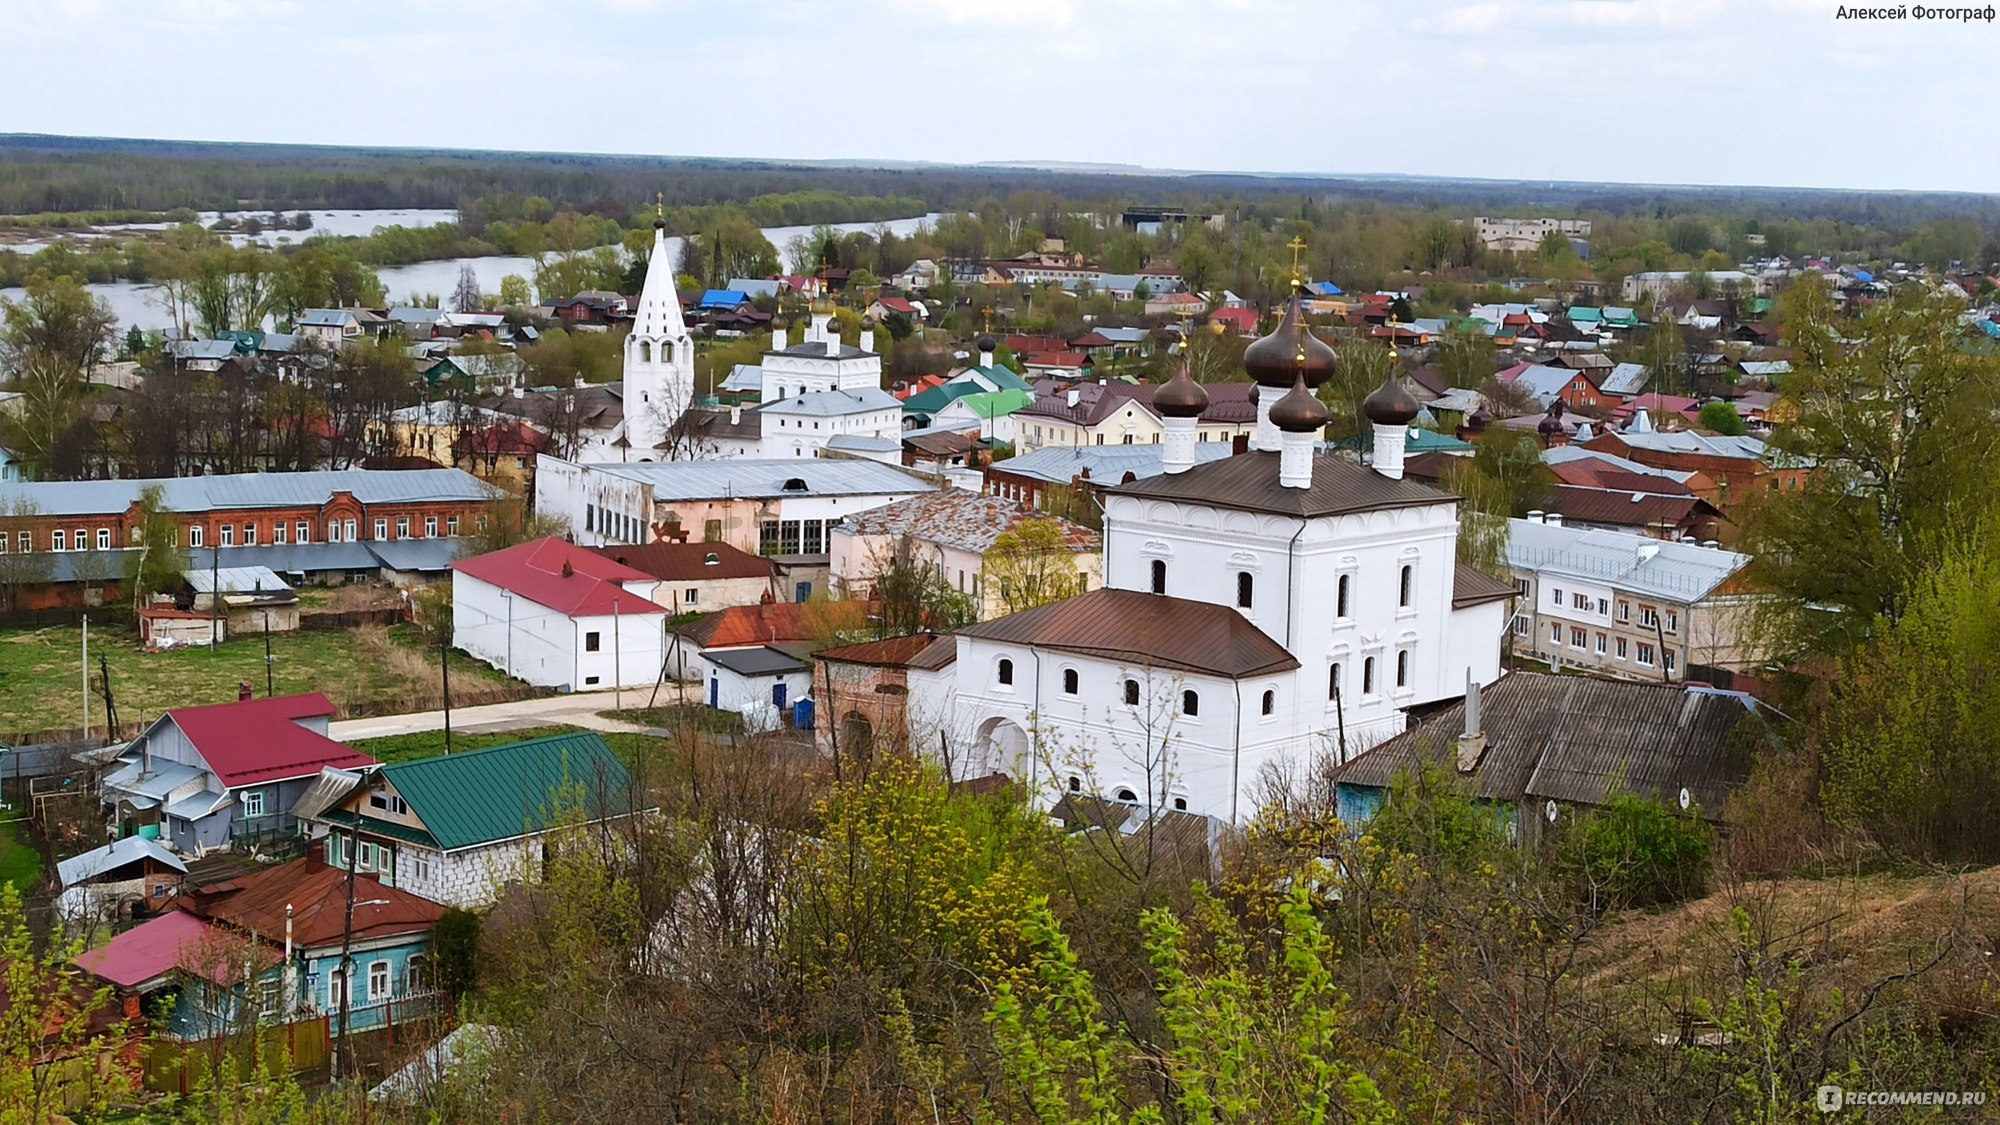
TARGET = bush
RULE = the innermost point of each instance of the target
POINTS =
(455, 951)
(1632, 851)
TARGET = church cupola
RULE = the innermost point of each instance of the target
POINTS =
(1179, 404)
(1272, 362)
(1299, 416)
(1390, 409)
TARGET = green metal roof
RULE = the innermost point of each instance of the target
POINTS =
(996, 404)
(508, 791)
(937, 398)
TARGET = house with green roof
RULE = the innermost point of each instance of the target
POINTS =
(457, 828)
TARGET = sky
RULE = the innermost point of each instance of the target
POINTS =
(1763, 92)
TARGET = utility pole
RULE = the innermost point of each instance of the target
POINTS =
(444, 670)
(617, 667)
(342, 1061)
(270, 688)
(86, 677)
(214, 599)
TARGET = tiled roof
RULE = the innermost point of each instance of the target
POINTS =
(689, 562)
(504, 792)
(1144, 630)
(564, 577)
(256, 741)
(1573, 738)
(1249, 482)
(958, 518)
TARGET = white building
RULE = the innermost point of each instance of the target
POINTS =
(659, 357)
(556, 615)
(1258, 611)
(810, 393)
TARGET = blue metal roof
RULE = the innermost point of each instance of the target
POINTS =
(723, 298)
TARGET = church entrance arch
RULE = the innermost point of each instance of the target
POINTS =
(999, 746)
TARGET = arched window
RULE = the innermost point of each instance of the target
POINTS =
(1159, 576)
(1408, 581)
(1270, 702)
(1403, 669)
(1006, 671)
(1340, 597)
(1368, 676)
(1180, 804)
(645, 352)
(1075, 784)
(1333, 681)
(1069, 681)
(1190, 703)
(1245, 589)
(1127, 796)
(1131, 693)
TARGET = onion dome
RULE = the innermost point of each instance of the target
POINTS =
(1389, 404)
(1299, 412)
(1272, 360)
(660, 223)
(986, 343)
(1180, 397)
(867, 323)
(1479, 419)
(1551, 422)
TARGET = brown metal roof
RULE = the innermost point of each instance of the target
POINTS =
(1146, 630)
(688, 562)
(1469, 587)
(1576, 738)
(894, 652)
(1249, 482)
(1626, 509)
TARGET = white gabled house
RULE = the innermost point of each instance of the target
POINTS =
(558, 615)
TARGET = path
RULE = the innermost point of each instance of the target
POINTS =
(578, 709)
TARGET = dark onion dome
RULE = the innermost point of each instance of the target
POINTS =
(867, 322)
(986, 343)
(1299, 412)
(1389, 404)
(1551, 422)
(1272, 360)
(1479, 419)
(1180, 397)
(660, 224)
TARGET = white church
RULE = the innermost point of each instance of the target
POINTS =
(1259, 612)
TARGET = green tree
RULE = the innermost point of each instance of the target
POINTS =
(49, 1052)
(1720, 416)
(1031, 564)
(57, 319)
(514, 292)
(157, 563)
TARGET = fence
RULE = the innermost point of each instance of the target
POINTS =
(352, 618)
(175, 1067)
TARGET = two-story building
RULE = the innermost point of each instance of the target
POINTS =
(1120, 413)
(558, 615)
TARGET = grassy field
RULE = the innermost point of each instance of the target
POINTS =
(20, 863)
(662, 763)
(40, 685)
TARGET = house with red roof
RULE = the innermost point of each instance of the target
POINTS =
(558, 615)
(199, 777)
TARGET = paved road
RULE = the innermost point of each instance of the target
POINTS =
(576, 710)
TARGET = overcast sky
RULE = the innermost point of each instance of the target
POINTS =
(1665, 91)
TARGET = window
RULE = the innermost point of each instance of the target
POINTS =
(228, 531)
(278, 532)
(1075, 784)
(1600, 644)
(1069, 681)
(1159, 574)
(378, 980)
(26, 541)
(104, 539)
(1621, 648)
(253, 803)
(1645, 654)
(1190, 704)
(249, 535)
(1603, 607)
(195, 535)
(1406, 586)
(592, 640)
(336, 988)
(1127, 796)
(1555, 634)
(348, 529)
(1624, 611)
(711, 531)
(1673, 617)
(430, 527)
(381, 529)
(305, 532)
(1131, 693)
(1333, 681)
(420, 867)
(1180, 804)
(59, 540)
(1403, 669)
(1340, 596)
(416, 975)
(691, 596)
(1579, 601)
(1245, 589)
(450, 525)
(1270, 702)
(380, 798)
(1578, 638)
(82, 540)
(1006, 672)
(1556, 596)
(1649, 618)
(1520, 624)
(1668, 656)
(1368, 676)
(402, 527)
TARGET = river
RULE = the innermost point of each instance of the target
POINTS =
(133, 302)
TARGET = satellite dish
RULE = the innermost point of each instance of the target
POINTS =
(1686, 798)
(1550, 811)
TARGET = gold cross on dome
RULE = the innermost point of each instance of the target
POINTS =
(661, 203)
(1298, 246)
(988, 313)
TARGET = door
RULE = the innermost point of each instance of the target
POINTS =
(803, 593)
(778, 694)
(714, 692)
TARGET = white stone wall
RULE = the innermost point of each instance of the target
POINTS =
(470, 878)
(527, 641)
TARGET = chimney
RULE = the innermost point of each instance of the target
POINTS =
(1074, 395)
(1712, 544)
(778, 336)
(1535, 516)
(244, 691)
(1389, 442)
(735, 413)
(1472, 742)
(1648, 550)
(1239, 445)
(579, 381)
(568, 571)
(1553, 519)
(520, 391)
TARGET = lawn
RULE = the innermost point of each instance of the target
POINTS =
(40, 673)
(20, 863)
(429, 744)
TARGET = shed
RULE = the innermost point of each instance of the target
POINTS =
(756, 681)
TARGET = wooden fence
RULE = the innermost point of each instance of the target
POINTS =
(175, 1067)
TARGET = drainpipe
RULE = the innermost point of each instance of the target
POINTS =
(1291, 585)
(1236, 756)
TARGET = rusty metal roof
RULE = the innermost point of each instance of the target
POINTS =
(1249, 482)
(1145, 630)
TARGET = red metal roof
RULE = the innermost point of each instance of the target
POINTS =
(569, 579)
(1244, 320)
(770, 623)
(145, 952)
(317, 895)
(254, 741)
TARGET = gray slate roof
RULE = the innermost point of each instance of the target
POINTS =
(110, 857)
(830, 404)
(188, 495)
(1675, 571)
(1108, 464)
(236, 580)
(764, 478)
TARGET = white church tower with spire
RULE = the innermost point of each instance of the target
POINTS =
(659, 358)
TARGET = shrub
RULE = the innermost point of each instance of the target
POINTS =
(455, 950)
(1632, 851)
